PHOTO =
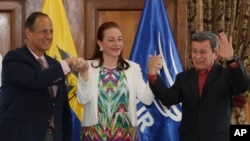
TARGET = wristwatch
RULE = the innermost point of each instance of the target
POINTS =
(235, 59)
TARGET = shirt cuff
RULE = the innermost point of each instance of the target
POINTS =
(152, 77)
(65, 67)
(234, 65)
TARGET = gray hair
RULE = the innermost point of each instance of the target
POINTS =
(206, 35)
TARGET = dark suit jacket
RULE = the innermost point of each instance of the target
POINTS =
(25, 102)
(206, 118)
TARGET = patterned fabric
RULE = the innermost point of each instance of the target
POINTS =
(113, 100)
(230, 16)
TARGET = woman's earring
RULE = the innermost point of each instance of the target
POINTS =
(101, 49)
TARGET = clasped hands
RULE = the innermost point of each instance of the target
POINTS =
(154, 64)
(77, 64)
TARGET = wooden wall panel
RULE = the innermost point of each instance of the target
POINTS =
(181, 29)
(76, 15)
(247, 110)
(10, 25)
(5, 34)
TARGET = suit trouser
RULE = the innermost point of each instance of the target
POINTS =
(49, 137)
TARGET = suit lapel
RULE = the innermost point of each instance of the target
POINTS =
(194, 83)
(33, 60)
(30, 58)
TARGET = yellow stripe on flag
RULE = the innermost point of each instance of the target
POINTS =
(63, 46)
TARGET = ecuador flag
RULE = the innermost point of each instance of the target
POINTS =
(61, 48)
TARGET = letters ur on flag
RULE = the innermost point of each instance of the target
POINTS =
(154, 36)
(61, 48)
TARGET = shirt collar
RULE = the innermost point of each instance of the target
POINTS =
(42, 57)
(207, 71)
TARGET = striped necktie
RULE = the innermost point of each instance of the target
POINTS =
(42, 65)
(51, 121)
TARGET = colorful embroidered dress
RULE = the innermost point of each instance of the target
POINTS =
(113, 100)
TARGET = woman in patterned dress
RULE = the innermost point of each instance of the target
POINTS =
(109, 90)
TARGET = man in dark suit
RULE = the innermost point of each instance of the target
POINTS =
(205, 91)
(29, 111)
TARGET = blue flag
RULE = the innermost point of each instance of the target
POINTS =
(154, 36)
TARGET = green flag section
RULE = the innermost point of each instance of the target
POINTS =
(61, 48)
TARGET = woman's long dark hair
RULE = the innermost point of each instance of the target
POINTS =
(122, 64)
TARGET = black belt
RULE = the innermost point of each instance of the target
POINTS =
(50, 130)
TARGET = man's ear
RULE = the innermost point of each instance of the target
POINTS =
(27, 32)
(215, 55)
